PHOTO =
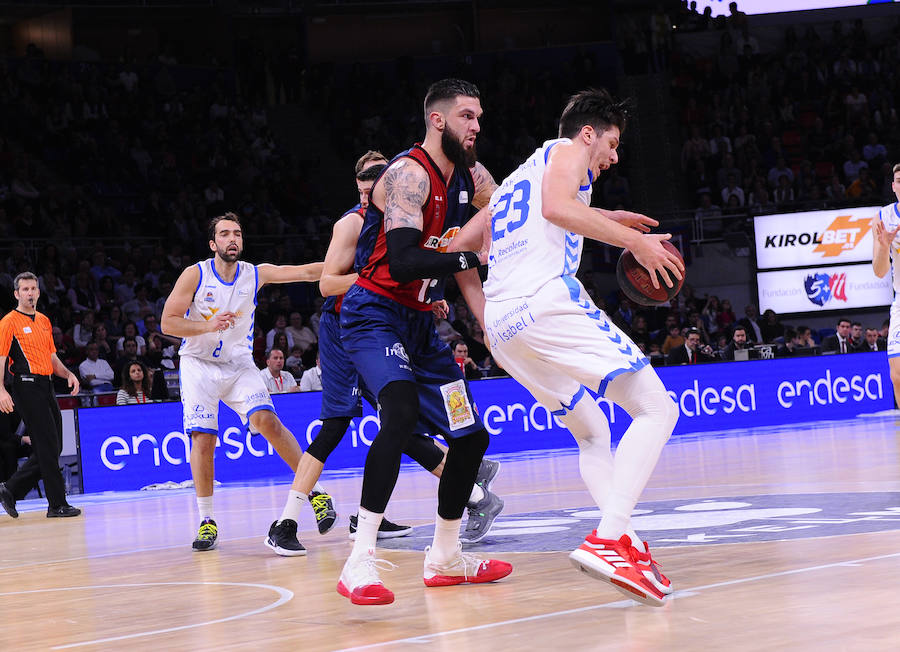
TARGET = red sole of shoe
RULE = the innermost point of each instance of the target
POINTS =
(453, 580)
(365, 600)
(645, 595)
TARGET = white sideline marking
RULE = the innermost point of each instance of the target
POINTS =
(616, 605)
(284, 596)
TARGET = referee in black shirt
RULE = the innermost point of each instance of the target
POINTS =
(26, 339)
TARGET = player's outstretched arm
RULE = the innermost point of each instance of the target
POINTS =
(474, 236)
(881, 247)
(309, 273)
(406, 189)
(484, 185)
(177, 304)
(559, 190)
(638, 221)
(337, 274)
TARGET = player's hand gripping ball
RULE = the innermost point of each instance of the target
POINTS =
(635, 281)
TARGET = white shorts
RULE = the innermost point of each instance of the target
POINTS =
(893, 341)
(203, 384)
(557, 342)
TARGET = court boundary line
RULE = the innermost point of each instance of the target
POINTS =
(285, 595)
(684, 593)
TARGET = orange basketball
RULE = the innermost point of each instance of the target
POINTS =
(635, 280)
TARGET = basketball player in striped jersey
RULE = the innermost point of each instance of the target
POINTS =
(536, 223)
(886, 243)
(341, 392)
(212, 307)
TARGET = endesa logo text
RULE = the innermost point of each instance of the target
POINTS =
(174, 447)
(829, 389)
(128, 447)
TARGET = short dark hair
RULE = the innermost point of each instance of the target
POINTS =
(856, 323)
(370, 173)
(457, 343)
(692, 331)
(272, 350)
(23, 276)
(594, 107)
(448, 89)
(214, 222)
(841, 320)
(738, 328)
(368, 157)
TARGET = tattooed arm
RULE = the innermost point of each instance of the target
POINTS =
(484, 185)
(406, 190)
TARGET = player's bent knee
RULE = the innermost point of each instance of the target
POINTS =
(329, 436)
(203, 442)
(472, 445)
(669, 414)
(265, 422)
(399, 402)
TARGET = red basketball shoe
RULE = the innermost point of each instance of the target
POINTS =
(464, 568)
(611, 561)
(650, 569)
(360, 581)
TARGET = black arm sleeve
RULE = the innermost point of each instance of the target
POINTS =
(407, 261)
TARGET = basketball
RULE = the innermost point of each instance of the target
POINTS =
(635, 280)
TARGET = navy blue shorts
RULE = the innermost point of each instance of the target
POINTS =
(340, 384)
(388, 342)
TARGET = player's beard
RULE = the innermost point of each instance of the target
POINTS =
(454, 149)
(228, 257)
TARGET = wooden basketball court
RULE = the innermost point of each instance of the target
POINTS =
(775, 539)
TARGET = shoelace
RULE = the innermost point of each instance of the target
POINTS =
(367, 572)
(207, 531)
(644, 557)
(472, 522)
(320, 505)
(466, 560)
(288, 526)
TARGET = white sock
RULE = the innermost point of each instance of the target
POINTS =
(644, 397)
(616, 516)
(446, 540)
(590, 427)
(319, 488)
(636, 541)
(367, 524)
(292, 506)
(477, 495)
(205, 506)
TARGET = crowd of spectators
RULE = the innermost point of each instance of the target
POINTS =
(116, 167)
(811, 125)
(695, 330)
(119, 165)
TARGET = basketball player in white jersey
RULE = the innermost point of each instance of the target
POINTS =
(547, 333)
(885, 258)
(212, 308)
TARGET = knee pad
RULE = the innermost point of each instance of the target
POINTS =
(399, 403)
(475, 444)
(329, 436)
